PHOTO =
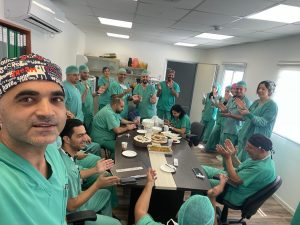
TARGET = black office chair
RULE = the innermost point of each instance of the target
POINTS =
(250, 205)
(79, 218)
(196, 133)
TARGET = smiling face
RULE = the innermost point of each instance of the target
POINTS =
(263, 92)
(73, 78)
(106, 72)
(32, 114)
(79, 138)
(175, 114)
(84, 76)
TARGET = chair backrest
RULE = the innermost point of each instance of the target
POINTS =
(252, 203)
(197, 129)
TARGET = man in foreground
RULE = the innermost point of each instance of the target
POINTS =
(33, 187)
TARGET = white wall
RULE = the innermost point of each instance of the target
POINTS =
(156, 55)
(60, 48)
(262, 59)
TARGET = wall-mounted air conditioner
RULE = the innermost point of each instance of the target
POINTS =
(39, 13)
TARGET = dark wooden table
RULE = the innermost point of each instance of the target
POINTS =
(164, 203)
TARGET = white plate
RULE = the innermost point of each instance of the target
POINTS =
(129, 153)
(167, 169)
(141, 131)
(176, 141)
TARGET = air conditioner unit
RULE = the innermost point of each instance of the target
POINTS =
(39, 13)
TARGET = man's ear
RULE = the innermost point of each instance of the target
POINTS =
(66, 139)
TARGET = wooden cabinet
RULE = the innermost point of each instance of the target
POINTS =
(15, 40)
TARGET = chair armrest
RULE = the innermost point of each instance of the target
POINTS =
(81, 216)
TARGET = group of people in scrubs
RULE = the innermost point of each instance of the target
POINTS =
(236, 118)
(42, 181)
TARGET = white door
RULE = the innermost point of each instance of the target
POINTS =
(203, 82)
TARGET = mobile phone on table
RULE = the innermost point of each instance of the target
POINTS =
(198, 173)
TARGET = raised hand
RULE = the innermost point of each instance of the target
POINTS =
(151, 176)
(103, 165)
(240, 104)
(222, 151)
(229, 147)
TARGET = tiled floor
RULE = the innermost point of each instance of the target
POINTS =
(273, 212)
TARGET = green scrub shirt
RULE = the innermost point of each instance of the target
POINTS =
(166, 100)
(232, 126)
(105, 97)
(27, 197)
(116, 89)
(184, 122)
(260, 120)
(145, 108)
(87, 106)
(73, 100)
(255, 175)
(103, 124)
(100, 201)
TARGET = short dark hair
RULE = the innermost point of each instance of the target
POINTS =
(116, 100)
(270, 85)
(179, 109)
(69, 128)
(105, 68)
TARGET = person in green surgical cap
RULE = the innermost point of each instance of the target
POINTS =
(233, 120)
(146, 97)
(197, 210)
(214, 137)
(122, 90)
(73, 100)
(209, 112)
(259, 118)
(84, 87)
(104, 84)
(167, 91)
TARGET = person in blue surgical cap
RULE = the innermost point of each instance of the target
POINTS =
(197, 210)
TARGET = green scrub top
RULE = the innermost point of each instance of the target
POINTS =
(105, 97)
(73, 100)
(100, 201)
(166, 99)
(184, 122)
(27, 197)
(260, 120)
(232, 126)
(145, 108)
(255, 175)
(210, 111)
(103, 124)
(116, 89)
(147, 220)
(88, 105)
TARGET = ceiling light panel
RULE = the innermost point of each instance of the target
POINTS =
(117, 35)
(280, 13)
(185, 44)
(213, 36)
(117, 23)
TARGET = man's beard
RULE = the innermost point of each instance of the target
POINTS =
(118, 111)
(144, 81)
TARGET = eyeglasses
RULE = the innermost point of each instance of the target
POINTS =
(171, 222)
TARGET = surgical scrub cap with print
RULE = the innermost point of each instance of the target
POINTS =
(197, 210)
(30, 67)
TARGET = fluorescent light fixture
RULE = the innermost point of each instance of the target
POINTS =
(185, 44)
(213, 36)
(43, 7)
(117, 35)
(117, 23)
(59, 20)
(280, 13)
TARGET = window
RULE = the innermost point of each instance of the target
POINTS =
(287, 98)
(231, 73)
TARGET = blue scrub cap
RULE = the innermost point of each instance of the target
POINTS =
(122, 71)
(83, 68)
(72, 70)
(25, 68)
(228, 87)
(145, 73)
(241, 84)
(197, 210)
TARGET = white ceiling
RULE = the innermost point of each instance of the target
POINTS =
(170, 21)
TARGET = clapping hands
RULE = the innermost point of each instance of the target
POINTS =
(103, 165)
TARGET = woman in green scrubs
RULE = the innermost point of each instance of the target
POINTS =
(180, 121)
(259, 118)
(104, 84)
